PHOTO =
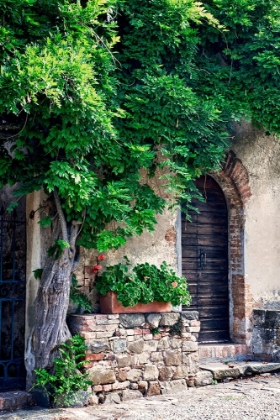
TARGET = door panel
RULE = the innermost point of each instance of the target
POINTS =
(205, 261)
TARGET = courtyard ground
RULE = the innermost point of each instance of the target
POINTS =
(256, 398)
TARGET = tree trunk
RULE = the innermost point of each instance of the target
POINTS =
(52, 300)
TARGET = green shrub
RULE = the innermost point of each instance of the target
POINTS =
(67, 378)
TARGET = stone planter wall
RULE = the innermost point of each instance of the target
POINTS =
(266, 334)
(131, 355)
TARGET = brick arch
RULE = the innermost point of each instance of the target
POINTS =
(234, 182)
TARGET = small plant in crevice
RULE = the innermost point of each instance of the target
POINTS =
(78, 297)
(67, 377)
(175, 329)
(154, 331)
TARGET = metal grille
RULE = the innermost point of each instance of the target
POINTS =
(12, 300)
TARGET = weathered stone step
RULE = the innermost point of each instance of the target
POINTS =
(14, 400)
(221, 371)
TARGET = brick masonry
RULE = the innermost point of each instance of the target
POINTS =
(234, 181)
(222, 352)
(131, 355)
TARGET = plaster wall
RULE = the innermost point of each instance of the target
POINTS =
(260, 154)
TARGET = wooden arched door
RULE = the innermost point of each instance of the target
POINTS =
(205, 261)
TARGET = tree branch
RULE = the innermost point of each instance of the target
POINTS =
(61, 216)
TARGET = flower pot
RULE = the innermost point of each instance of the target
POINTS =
(110, 305)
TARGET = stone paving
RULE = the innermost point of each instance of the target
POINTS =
(256, 398)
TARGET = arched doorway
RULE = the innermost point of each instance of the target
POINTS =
(12, 292)
(205, 261)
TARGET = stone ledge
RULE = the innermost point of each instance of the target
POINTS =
(14, 400)
(234, 370)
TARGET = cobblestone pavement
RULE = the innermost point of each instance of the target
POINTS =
(256, 399)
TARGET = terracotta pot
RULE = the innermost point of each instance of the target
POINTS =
(110, 305)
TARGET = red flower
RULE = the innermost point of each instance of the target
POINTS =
(101, 257)
(174, 284)
(96, 268)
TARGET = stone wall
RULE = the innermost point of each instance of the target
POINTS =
(131, 355)
(266, 334)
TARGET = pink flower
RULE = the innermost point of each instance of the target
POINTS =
(101, 257)
(174, 284)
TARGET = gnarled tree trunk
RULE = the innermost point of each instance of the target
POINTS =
(52, 300)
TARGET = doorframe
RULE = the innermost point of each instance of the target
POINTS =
(233, 180)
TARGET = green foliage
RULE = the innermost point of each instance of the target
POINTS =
(46, 221)
(67, 377)
(144, 283)
(78, 297)
(38, 273)
(154, 331)
(106, 90)
(57, 249)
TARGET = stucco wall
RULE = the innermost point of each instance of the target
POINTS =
(260, 154)
(152, 247)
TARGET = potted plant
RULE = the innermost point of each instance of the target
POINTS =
(143, 288)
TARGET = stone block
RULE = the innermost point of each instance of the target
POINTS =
(189, 315)
(93, 399)
(104, 334)
(203, 378)
(134, 375)
(150, 373)
(194, 323)
(126, 361)
(122, 375)
(190, 346)
(164, 343)
(153, 320)
(150, 346)
(143, 358)
(132, 320)
(129, 394)
(175, 343)
(148, 336)
(170, 387)
(169, 319)
(120, 385)
(181, 372)
(130, 338)
(118, 345)
(94, 357)
(190, 360)
(96, 346)
(172, 358)
(193, 329)
(136, 346)
(143, 385)
(112, 398)
(113, 316)
(101, 376)
(154, 388)
(156, 356)
(166, 373)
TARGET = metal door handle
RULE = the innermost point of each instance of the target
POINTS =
(202, 258)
